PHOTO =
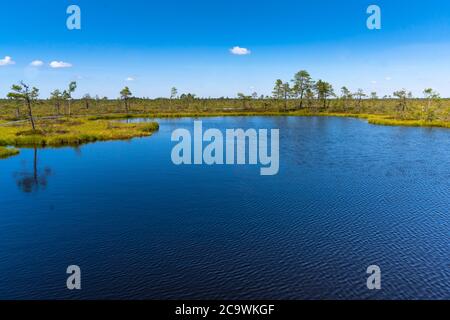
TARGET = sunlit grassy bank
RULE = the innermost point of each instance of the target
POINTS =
(66, 131)
(8, 152)
(430, 112)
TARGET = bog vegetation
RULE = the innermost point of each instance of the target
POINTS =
(71, 131)
(26, 120)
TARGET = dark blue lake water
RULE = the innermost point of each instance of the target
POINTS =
(348, 195)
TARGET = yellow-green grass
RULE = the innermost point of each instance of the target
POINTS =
(387, 121)
(78, 131)
(376, 119)
(8, 152)
(223, 114)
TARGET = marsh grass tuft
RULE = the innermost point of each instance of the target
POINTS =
(8, 152)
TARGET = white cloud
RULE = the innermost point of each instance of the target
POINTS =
(129, 79)
(240, 51)
(6, 61)
(388, 78)
(37, 63)
(60, 64)
(374, 82)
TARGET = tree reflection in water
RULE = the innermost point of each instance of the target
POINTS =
(32, 181)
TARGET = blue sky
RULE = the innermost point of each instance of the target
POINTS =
(187, 44)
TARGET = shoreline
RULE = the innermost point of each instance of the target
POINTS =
(70, 132)
(78, 130)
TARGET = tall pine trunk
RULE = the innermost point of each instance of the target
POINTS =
(30, 114)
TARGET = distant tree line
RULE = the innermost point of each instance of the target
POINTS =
(302, 93)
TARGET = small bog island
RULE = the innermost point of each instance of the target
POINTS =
(224, 150)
